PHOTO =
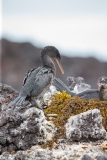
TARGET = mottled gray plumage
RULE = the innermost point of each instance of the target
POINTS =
(102, 87)
(79, 80)
(81, 85)
(71, 82)
(38, 80)
(77, 85)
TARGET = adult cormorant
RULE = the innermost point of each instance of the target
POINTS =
(38, 80)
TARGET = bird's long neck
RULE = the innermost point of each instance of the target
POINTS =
(48, 63)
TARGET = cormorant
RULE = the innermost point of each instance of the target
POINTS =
(71, 82)
(102, 87)
(81, 85)
(77, 85)
(38, 80)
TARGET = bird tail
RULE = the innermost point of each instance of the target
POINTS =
(60, 86)
(18, 101)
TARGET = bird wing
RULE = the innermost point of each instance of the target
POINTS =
(28, 75)
(89, 94)
(43, 77)
(60, 86)
(37, 80)
(34, 83)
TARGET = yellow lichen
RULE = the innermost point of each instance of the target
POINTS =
(66, 106)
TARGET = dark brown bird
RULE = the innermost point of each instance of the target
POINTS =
(38, 80)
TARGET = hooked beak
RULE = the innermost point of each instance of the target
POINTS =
(59, 65)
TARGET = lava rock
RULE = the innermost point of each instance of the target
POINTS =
(87, 125)
(101, 157)
(86, 157)
(22, 130)
(23, 127)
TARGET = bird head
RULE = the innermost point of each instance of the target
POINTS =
(79, 80)
(51, 54)
(102, 82)
(71, 80)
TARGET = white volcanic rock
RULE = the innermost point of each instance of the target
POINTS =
(67, 152)
(87, 125)
(47, 96)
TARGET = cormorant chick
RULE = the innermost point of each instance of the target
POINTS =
(81, 85)
(71, 82)
(102, 87)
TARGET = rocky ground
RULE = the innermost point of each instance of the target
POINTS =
(24, 130)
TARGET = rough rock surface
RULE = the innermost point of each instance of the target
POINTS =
(7, 94)
(23, 130)
(20, 128)
(47, 96)
(60, 152)
(87, 125)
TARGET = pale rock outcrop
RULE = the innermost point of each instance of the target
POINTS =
(24, 129)
(85, 126)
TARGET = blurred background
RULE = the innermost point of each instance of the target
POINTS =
(78, 28)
